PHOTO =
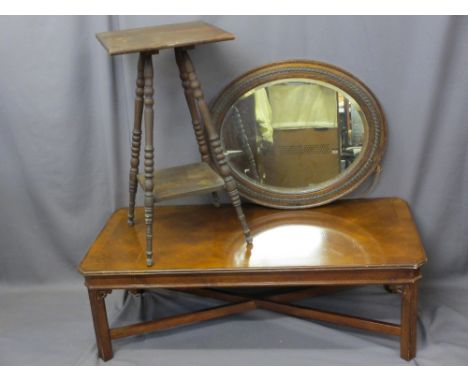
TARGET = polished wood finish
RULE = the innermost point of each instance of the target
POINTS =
(270, 277)
(161, 37)
(271, 303)
(347, 235)
(295, 295)
(409, 315)
(334, 318)
(101, 326)
(182, 319)
(183, 181)
(305, 293)
(242, 303)
(353, 242)
(366, 164)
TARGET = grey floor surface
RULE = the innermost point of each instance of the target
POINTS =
(51, 325)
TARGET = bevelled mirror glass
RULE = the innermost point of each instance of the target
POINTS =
(299, 134)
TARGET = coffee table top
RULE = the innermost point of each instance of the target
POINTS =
(161, 37)
(348, 234)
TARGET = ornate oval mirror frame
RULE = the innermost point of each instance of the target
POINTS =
(362, 167)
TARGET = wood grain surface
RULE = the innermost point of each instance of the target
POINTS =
(150, 39)
(349, 234)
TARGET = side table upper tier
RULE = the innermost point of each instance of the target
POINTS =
(161, 37)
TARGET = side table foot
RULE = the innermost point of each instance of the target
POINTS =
(101, 326)
(409, 316)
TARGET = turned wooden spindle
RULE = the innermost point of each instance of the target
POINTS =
(186, 73)
(149, 155)
(245, 144)
(136, 141)
(213, 139)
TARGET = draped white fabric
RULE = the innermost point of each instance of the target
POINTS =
(66, 116)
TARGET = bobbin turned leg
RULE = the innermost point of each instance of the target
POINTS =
(186, 76)
(149, 155)
(136, 142)
(184, 61)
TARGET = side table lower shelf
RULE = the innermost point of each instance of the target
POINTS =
(198, 252)
(185, 180)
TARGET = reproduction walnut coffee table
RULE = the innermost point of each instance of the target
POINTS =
(200, 248)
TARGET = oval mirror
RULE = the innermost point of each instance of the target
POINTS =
(299, 134)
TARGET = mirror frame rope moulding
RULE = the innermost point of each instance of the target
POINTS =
(364, 165)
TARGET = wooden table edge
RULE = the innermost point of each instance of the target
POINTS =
(180, 272)
(254, 279)
(116, 52)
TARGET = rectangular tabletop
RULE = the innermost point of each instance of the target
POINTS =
(161, 37)
(349, 234)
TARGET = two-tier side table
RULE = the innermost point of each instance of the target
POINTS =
(213, 173)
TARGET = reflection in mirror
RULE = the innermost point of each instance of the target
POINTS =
(293, 133)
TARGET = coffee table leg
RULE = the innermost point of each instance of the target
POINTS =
(101, 326)
(409, 317)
